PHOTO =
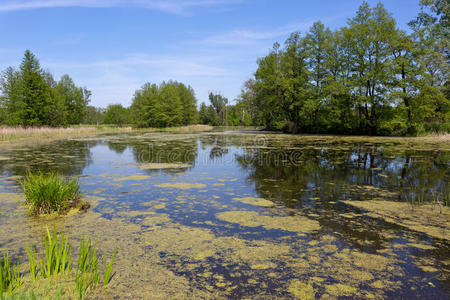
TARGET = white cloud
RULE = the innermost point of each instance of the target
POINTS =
(179, 7)
(248, 37)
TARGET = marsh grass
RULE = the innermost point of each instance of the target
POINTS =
(48, 193)
(10, 277)
(31, 260)
(56, 261)
(108, 269)
(18, 133)
(57, 256)
(87, 274)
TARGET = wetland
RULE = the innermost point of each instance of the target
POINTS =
(246, 214)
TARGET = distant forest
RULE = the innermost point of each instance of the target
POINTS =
(368, 77)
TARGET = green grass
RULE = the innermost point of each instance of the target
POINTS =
(57, 256)
(87, 275)
(108, 269)
(10, 277)
(56, 261)
(49, 193)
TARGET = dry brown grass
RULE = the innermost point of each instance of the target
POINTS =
(19, 133)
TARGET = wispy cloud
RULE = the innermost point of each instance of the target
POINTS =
(115, 80)
(249, 37)
(179, 7)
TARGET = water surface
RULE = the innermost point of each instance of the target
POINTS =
(244, 214)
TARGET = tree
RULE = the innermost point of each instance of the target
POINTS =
(116, 114)
(169, 104)
(32, 97)
(35, 93)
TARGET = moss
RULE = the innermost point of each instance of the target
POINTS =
(181, 185)
(255, 201)
(339, 290)
(253, 219)
(301, 290)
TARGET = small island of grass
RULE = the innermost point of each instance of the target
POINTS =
(52, 193)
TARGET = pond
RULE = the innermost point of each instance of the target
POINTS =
(246, 214)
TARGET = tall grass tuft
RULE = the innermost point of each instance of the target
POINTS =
(31, 260)
(87, 275)
(57, 255)
(108, 269)
(10, 277)
(48, 193)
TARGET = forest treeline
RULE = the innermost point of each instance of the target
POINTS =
(368, 77)
(31, 96)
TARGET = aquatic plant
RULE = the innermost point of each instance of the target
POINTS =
(87, 275)
(10, 277)
(31, 260)
(48, 193)
(108, 269)
(57, 256)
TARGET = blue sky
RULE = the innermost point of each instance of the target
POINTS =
(114, 46)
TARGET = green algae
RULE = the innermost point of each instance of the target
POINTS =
(424, 218)
(133, 177)
(158, 166)
(255, 201)
(301, 290)
(253, 219)
(339, 290)
(181, 185)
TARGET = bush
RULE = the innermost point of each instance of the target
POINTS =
(48, 193)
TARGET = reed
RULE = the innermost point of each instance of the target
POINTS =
(31, 260)
(10, 277)
(19, 133)
(108, 269)
(87, 274)
(48, 193)
(57, 255)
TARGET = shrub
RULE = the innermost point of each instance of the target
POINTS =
(48, 193)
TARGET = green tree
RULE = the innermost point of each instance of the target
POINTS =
(116, 114)
(35, 93)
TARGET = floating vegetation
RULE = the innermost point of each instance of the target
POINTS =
(424, 218)
(172, 246)
(157, 166)
(255, 201)
(181, 185)
(339, 290)
(133, 177)
(297, 224)
(49, 193)
(301, 290)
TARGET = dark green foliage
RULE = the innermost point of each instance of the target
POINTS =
(31, 97)
(116, 114)
(366, 78)
(169, 104)
(48, 193)
(94, 115)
